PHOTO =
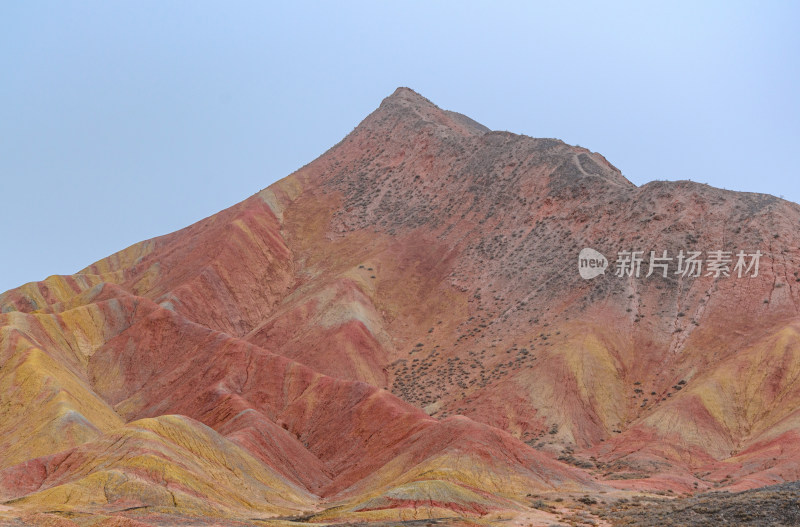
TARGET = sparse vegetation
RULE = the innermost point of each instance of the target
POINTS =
(767, 506)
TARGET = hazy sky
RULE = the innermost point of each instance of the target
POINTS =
(120, 121)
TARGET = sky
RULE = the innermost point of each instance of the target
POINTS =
(121, 121)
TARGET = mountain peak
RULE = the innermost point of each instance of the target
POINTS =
(407, 106)
(406, 98)
(407, 94)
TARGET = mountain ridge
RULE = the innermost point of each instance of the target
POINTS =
(399, 325)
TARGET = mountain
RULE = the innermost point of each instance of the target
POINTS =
(399, 331)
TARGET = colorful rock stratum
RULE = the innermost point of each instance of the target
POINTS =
(399, 332)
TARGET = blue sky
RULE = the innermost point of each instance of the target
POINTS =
(120, 121)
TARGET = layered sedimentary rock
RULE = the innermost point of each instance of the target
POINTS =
(399, 330)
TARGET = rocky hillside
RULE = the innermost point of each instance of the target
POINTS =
(399, 330)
